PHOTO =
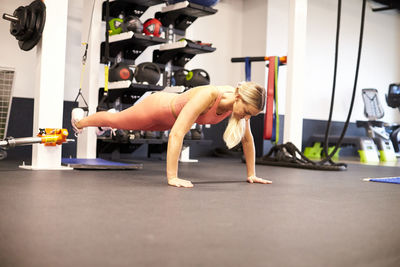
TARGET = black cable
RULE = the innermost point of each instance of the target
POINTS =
(84, 57)
(104, 102)
(329, 157)
(328, 126)
(107, 45)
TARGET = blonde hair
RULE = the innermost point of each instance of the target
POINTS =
(252, 94)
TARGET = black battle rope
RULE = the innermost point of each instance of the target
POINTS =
(107, 46)
(328, 126)
(329, 157)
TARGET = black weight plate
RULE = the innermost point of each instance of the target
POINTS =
(30, 24)
(39, 8)
(17, 28)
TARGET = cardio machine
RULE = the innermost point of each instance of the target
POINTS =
(384, 134)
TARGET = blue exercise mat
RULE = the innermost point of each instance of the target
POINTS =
(98, 163)
(391, 180)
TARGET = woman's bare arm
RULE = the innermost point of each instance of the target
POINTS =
(249, 150)
(250, 156)
(198, 103)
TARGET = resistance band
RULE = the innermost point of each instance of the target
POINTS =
(268, 118)
(275, 137)
(247, 68)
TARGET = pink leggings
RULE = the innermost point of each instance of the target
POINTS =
(151, 114)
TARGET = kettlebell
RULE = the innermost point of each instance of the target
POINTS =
(180, 77)
(197, 77)
(120, 72)
(147, 72)
(132, 23)
(115, 26)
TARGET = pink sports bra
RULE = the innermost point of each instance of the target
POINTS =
(210, 117)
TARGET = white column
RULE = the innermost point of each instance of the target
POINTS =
(49, 85)
(293, 126)
(86, 147)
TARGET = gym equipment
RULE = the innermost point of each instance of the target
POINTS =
(46, 136)
(152, 27)
(271, 119)
(207, 3)
(120, 72)
(197, 77)
(147, 72)
(132, 23)
(393, 101)
(390, 4)
(364, 145)
(103, 103)
(375, 129)
(315, 152)
(328, 158)
(99, 164)
(180, 77)
(268, 122)
(191, 78)
(115, 25)
(286, 154)
(391, 180)
(393, 96)
(84, 57)
(27, 24)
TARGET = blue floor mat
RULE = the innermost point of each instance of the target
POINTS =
(98, 163)
(391, 180)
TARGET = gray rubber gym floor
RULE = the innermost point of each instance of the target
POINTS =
(132, 218)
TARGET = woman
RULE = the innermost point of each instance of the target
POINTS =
(203, 105)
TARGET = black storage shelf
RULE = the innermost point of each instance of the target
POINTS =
(131, 45)
(182, 18)
(129, 7)
(128, 46)
(181, 56)
(128, 95)
(142, 88)
(138, 87)
(147, 141)
(186, 142)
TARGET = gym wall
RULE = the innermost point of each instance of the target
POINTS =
(379, 66)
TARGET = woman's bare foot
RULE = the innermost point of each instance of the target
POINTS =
(180, 182)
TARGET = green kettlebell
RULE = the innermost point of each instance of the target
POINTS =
(115, 26)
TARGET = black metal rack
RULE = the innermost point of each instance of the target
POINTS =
(156, 141)
(130, 44)
(130, 93)
(183, 14)
(182, 55)
(129, 7)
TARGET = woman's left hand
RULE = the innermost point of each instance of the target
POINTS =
(255, 179)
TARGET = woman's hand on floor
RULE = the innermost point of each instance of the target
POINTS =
(255, 179)
(179, 182)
